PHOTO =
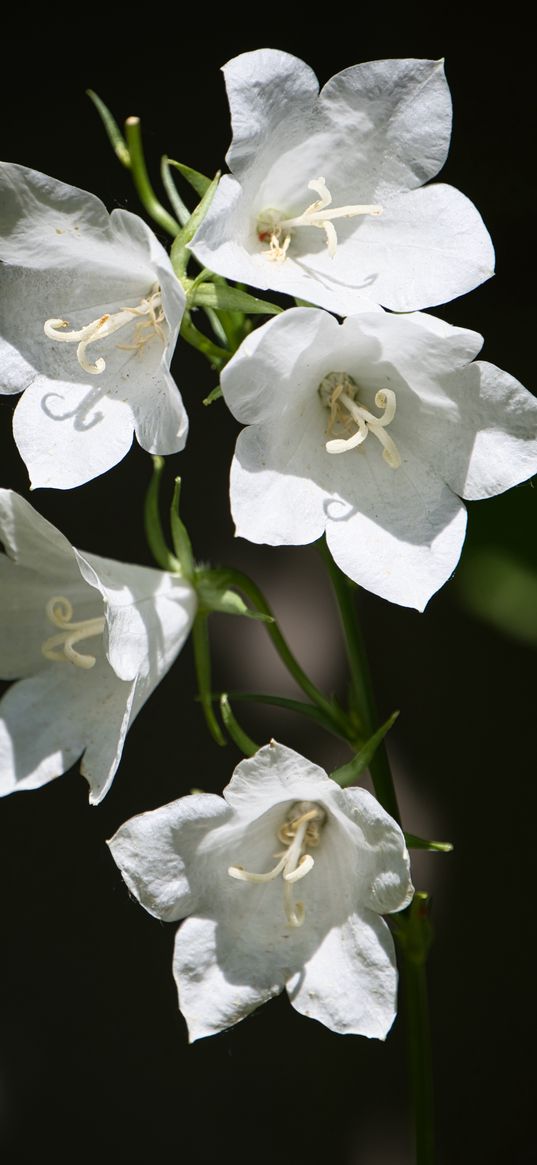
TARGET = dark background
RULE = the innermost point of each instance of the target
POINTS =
(94, 1062)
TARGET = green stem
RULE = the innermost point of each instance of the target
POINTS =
(419, 1055)
(363, 699)
(251, 590)
(140, 176)
(216, 356)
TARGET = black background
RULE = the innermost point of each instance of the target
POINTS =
(94, 1062)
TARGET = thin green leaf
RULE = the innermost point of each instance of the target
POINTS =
(232, 299)
(413, 842)
(198, 181)
(113, 132)
(237, 734)
(180, 538)
(180, 254)
(215, 394)
(349, 773)
(176, 202)
(310, 711)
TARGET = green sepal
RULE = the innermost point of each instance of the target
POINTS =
(215, 394)
(180, 254)
(300, 707)
(153, 525)
(237, 734)
(113, 132)
(214, 594)
(181, 211)
(199, 182)
(349, 773)
(181, 541)
(202, 659)
(225, 298)
(442, 847)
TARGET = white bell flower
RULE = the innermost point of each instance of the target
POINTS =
(88, 639)
(371, 431)
(283, 879)
(324, 200)
(91, 311)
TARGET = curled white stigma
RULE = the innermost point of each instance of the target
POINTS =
(150, 326)
(339, 393)
(62, 646)
(277, 231)
(301, 830)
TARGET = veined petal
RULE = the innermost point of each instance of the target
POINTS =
(33, 542)
(149, 614)
(276, 774)
(209, 998)
(430, 246)
(157, 851)
(350, 982)
(69, 710)
(402, 535)
(270, 93)
(382, 859)
(68, 433)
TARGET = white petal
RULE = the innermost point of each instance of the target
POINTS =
(277, 363)
(381, 854)
(350, 982)
(149, 615)
(275, 498)
(157, 852)
(46, 224)
(428, 247)
(69, 433)
(161, 421)
(227, 243)
(270, 93)
(397, 115)
(487, 442)
(69, 710)
(211, 996)
(24, 625)
(32, 541)
(276, 774)
(398, 533)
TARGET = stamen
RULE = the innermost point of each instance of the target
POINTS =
(62, 647)
(302, 829)
(106, 325)
(339, 393)
(278, 231)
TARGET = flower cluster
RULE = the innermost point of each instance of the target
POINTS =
(367, 421)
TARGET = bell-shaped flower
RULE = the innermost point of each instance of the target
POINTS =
(324, 200)
(91, 311)
(283, 879)
(371, 431)
(88, 639)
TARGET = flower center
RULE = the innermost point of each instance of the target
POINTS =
(276, 230)
(339, 394)
(62, 647)
(149, 325)
(300, 831)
